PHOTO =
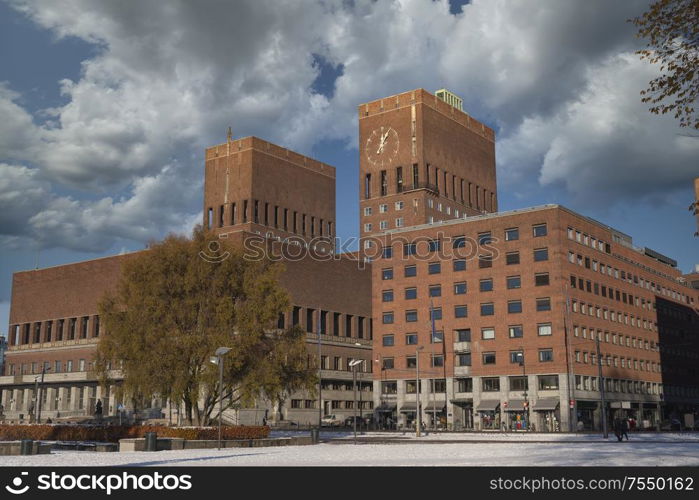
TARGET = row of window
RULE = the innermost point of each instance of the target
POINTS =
(343, 364)
(461, 311)
(627, 340)
(488, 384)
(464, 334)
(329, 322)
(335, 404)
(36, 367)
(617, 361)
(611, 315)
(277, 217)
(590, 241)
(584, 239)
(55, 330)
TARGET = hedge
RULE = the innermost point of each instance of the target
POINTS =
(113, 433)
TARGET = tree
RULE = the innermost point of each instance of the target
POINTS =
(172, 309)
(672, 27)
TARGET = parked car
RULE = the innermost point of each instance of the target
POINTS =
(331, 421)
(671, 425)
(349, 421)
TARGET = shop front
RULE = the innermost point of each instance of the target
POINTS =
(517, 418)
(587, 411)
(548, 416)
(407, 416)
(436, 415)
(488, 411)
(386, 417)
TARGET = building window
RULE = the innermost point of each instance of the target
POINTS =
(487, 309)
(518, 384)
(367, 211)
(490, 384)
(383, 208)
(548, 382)
(437, 337)
(486, 285)
(383, 224)
(367, 227)
(387, 318)
(541, 254)
(389, 387)
(411, 338)
(387, 252)
(489, 358)
(460, 288)
(516, 357)
(399, 205)
(545, 355)
(387, 273)
(512, 258)
(437, 360)
(463, 359)
(434, 245)
(512, 234)
(460, 311)
(514, 282)
(388, 340)
(460, 265)
(487, 333)
(543, 304)
(435, 290)
(399, 222)
(516, 331)
(436, 313)
(410, 271)
(541, 279)
(484, 238)
(434, 268)
(485, 261)
(544, 329)
(388, 364)
(411, 316)
(514, 306)
(387, 295)
(410, 362)
(463, 335)
(539, 230)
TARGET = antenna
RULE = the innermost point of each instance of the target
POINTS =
(229, 134)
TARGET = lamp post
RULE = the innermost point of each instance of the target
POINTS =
(417, 388)
(526, 386)
(218, 360)
(44, 369)
(601, 388)
(353, 364)
(360, 396)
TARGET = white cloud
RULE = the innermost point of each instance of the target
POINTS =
(169, 77)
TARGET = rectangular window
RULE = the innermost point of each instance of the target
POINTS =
(487, 333)
(387, 273)
(435, 290)
(514, 306)
(460, 265)
(544, 329)
(541, 279)
(434, 268)
(489, 358)
(539, 230)
(486, 285)
(387, 252)
(460, 311)
(545, 355)
(514, 282)
(516, 331)
(411, 316)
(434, 245)
(459, 241)
(409, 249)
(387, 296)
(512, 234)
(436, 313)
(411, 293)
(388, 364)
(548, 382)
(388, 340)
(490, 384)
(485, 261)
(543, 304)
(487, 309)
(512, 258)
(463, 335)
(484, 238)
(463, 359)
(541, 254)
(516, 357)
(410, 271)
(437, 337)
(460, 288)
(518, 384)
(387, 318)
(411, 338)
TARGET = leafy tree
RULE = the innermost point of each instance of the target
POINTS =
(172, 309)
(672, 29)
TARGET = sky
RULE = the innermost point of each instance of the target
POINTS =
(106, 108)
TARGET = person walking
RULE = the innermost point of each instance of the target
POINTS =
(618, 429)
(624, 429)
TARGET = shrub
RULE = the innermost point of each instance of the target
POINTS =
(113, 433)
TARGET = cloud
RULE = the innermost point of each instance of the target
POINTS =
(121, 159)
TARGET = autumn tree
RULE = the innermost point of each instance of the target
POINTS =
(172, 309)
(672, 30)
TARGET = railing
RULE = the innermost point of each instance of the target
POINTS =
(462, 370)
(332, 338)
(464, 346)
(421, 185)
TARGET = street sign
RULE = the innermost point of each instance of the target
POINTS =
(572, 403)
(504, 404)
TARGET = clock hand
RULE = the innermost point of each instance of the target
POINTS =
(383, 143)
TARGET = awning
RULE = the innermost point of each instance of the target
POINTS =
(462, 401)
(488, 405)
(408, 407)
(515, 405)
(386, 408)
(549, 404)
(434, 406)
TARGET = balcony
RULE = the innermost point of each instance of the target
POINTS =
(420, 185)
(462, 370)
(462, 346)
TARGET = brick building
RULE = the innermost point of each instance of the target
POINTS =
(253, 190)
(503, 310)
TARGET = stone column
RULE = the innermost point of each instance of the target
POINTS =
(74, 397)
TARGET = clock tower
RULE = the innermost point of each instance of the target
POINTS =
(422, 160)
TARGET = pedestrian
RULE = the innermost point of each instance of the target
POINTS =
(581, 426)
(618, 429)
(624, 429)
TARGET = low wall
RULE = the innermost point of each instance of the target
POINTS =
(15, 448)
(139, 444)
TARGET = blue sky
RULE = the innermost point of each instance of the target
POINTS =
(107, 107)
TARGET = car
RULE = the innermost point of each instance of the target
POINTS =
(331, 421)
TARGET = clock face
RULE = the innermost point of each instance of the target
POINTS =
(382, 146)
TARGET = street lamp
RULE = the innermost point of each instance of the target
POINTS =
(526, 385)
(218, 360)
(353, 364)
(360, 395)
(417, 388)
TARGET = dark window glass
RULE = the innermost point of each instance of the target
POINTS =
(541, 254)
(514, 306)
(514, 282)
(487, 309)
(410, 271)
(512, 258)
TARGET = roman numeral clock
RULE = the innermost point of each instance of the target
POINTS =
(382, 147)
